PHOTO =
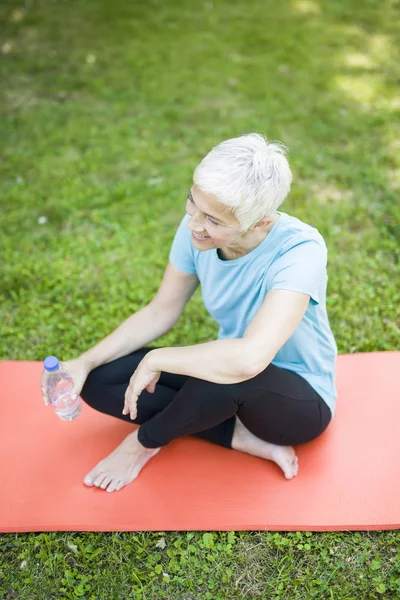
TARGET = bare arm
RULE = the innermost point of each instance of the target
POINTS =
(220, 361)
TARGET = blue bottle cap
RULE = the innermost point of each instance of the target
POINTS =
(51, 363)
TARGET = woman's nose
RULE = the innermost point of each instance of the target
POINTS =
(196, 221)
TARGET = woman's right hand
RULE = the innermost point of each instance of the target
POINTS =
(79, 369)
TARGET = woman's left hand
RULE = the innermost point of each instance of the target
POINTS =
(143, 378)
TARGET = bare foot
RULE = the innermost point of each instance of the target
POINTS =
(284, 456)
(121, 466)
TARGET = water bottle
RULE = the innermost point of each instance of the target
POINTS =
(59, 384)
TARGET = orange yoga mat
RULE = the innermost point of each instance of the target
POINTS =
(348, 478)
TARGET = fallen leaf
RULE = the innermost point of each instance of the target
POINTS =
(73, 547)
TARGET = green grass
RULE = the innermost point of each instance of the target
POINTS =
(108, 107)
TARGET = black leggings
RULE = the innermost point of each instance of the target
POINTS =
(277, 405)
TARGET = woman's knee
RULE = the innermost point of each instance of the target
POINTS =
(104, 399)
(89, 390)
(97, 378)
(95, 384)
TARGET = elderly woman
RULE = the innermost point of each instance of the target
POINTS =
(268, 381)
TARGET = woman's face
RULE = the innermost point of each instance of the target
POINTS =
(211, 218)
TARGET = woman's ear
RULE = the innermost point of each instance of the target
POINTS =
(263, 223)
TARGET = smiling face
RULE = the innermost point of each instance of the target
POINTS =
(211, 218)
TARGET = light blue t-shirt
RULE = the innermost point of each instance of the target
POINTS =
(293, 256)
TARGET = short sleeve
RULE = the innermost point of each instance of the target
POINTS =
(181, 253)
(302, 268)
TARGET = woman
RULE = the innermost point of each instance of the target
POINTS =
(268, 381)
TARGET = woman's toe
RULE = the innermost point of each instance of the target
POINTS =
(113, 485)
(105, 482)
(88, 480)
(91, 476)
(99, 479)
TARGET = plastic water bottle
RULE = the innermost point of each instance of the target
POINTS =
(59, 384)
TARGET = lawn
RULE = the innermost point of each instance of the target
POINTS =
(108, 107)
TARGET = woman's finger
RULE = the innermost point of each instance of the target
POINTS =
(133, 412)
(132, 406)
(126, 401)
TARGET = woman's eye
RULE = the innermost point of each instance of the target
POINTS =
(209, 218)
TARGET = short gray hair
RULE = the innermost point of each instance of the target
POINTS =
(249, 174)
